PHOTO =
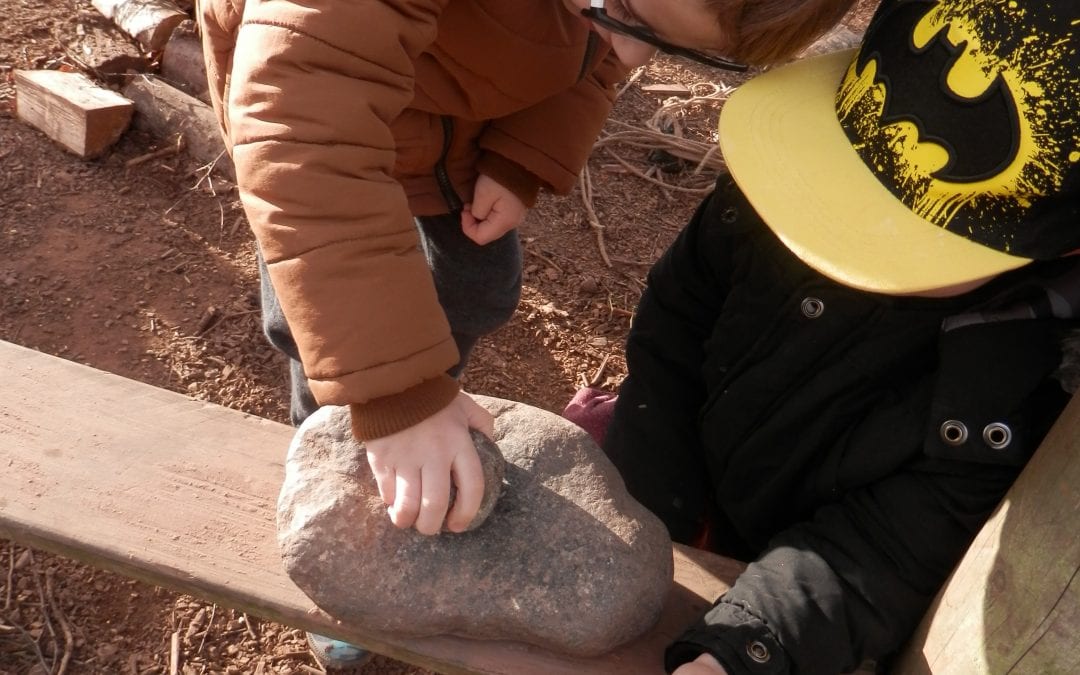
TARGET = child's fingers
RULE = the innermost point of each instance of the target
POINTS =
(436, 496)
(468, 477)
(482, 203)
(489, 230)
(406, 499)
(478, 417)
(471, 227)
(384, 478)
(467, 218)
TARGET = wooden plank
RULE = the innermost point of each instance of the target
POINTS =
(666, 89)
(181, 493)
(73, 111)
(1013, 603)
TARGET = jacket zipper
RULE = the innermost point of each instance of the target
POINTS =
(591, 45)
(442, 177)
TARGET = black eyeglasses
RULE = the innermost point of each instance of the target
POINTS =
(600, 16)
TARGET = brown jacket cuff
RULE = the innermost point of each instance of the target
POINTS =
(390, 414)
(522, 183)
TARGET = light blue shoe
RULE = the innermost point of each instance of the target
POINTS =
(335, 654)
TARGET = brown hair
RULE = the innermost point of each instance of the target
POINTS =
(770, 31)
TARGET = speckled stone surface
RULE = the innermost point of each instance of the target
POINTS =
(566, 560)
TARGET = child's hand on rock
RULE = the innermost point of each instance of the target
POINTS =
(414, 468)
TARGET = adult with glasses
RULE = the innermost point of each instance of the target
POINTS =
(385, 153)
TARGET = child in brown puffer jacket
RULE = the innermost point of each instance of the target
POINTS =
(385, 152)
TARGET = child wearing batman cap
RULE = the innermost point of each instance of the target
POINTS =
(846, 358)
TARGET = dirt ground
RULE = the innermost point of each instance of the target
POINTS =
(147, 270)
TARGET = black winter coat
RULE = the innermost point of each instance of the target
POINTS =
(834, 437)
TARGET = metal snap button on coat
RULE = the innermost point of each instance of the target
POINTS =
(729, 215)
(758, 652)
(812, 308)
(997, 435)
(954, 432)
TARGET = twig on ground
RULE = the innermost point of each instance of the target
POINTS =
(210, 316)
(10, 576)
(205, 170)
(209, 625)
(195, 624)
(221, 220)
(31, 640)
(174, 653)
(627, 261)
(595, 380)
(46, 614)
(703, 190)
(638, 72)
(590, 213)
(173, 149)
(544, 258)
(654, 137)
(69, 641)
(288, 655)
(236, 225)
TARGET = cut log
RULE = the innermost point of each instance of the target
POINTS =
(151, 22)
(167, 112)
(182, 63)
(73, 111)
(1013, 603)
(100, 47)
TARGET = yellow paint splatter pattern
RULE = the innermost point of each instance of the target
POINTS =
(1039, 71)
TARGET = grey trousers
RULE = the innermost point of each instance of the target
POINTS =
(478, 286)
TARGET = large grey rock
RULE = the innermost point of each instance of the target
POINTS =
(567, 559)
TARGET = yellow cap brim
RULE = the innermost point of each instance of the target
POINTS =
(785, 148)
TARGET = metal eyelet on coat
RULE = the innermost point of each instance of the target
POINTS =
(812, 307)
(997, 435)
(729, 215)
(954, 432)
(758, 652)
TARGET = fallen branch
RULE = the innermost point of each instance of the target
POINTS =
(10, 576)
(595, 380)
(173, 149)
(46, 614)
(151, 22)
(69, 641)
(209, 624)
(31, 640)
(652, 137)
(590, 213)
(544, 258)
(630, 168)
(174, 653)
